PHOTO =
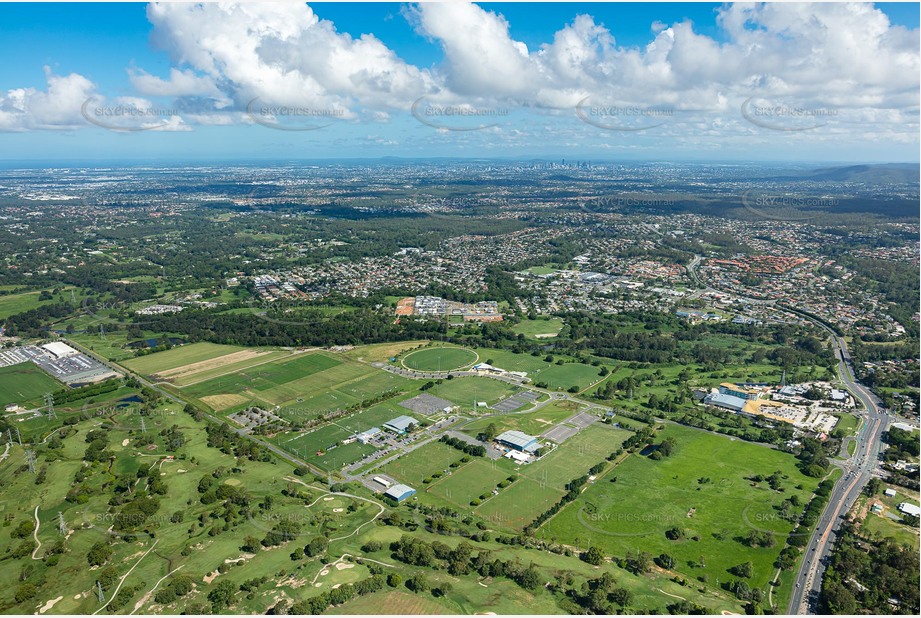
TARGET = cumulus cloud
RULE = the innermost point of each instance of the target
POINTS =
(282, 53)
(57, 107)
(227, 56)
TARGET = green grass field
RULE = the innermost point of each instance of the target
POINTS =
(421, 463)
(464, 391)
(534, 423)
(650, 497)
(25, 383)
(518, 504)
(439, 358)
(565, 376)
(468, 482)
(539, 329)
(575, 456)
(178, 357)
(307, 444)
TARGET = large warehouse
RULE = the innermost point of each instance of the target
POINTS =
(518, 440)
(400, 492)
(400, 424)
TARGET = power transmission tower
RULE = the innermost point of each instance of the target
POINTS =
(102, 332)
(62, 525)
(30, 459)
(18, 436)
(49, 402)
(143, 426)
(99, 594)
(9, 435)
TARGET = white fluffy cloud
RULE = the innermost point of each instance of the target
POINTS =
(282, 54)
(225, 56)
(57, 107)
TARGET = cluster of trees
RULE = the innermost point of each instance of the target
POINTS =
(68, 395)
(224, 438)
(356, 327)
(461, 560)
(475, 450)
(177, 587)
(600, 596)
(863, 574)
(813, 456)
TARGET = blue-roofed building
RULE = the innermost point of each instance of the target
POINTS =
(400, 424)
(400, 492)
(729, 402)
(518, 440)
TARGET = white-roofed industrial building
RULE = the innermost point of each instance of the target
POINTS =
(400, 424)
(400, 492)
(518, 440)
(60, 349)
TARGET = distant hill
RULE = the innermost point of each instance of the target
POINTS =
(888, 173)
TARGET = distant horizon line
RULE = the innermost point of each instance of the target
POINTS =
(120, 162)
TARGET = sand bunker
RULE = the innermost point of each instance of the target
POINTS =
(338, 510)
(210, 577)
(48, 605)
(125, 442)
(344, 565)
(328, 498)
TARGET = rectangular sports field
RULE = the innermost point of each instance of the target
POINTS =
(179, 356)
(703, 488)
(519, 504)
(464, 391)
(307, 444)
(25, 382)
(574, 457)
(466, 483)
(533, 423)
(533, 328)
(421, 463)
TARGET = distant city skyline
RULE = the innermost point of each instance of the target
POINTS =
(822, 83)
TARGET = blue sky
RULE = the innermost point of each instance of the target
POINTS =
(595, 80)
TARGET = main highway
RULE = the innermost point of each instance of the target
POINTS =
(858, 470)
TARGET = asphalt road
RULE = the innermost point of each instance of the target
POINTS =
(858, 471)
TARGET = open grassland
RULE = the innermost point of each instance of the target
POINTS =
(25, 383)
(704, 490)
(178, 357)
(11, 304)
(439, 358)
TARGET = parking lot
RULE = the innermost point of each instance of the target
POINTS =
(516, 401)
